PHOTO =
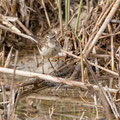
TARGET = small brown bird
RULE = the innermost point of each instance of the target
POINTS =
(52, 47)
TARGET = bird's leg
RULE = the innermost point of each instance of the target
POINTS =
(42, 64)
(56, 74)
(58, 60)
(52, 66)
(42, 59)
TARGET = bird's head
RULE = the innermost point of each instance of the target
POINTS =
(51, 36)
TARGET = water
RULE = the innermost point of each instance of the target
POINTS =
(61, 104)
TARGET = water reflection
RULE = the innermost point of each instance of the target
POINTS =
(61, 104)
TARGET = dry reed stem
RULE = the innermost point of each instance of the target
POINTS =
(100, 67)
(102, 16)
(99, 55)
(113, 34)
(101, 30)
(72, 17)
(23, 27)
(98, 23)
(112, 104)
(46, 14)
(52, 79)
(96, 61)
(18, 33)
(112, 48)
(7, 62)
(101, 93)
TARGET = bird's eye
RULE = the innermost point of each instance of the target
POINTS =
(47, 37)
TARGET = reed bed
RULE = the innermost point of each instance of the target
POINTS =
(89, 35)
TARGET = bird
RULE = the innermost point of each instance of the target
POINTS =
(51, 48)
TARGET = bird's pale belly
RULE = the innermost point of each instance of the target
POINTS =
(50, 52)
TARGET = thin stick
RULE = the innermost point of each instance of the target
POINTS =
(7, 62)
(46, 14)
(72, 18)
(23, 27)
(60, 16)
(109, 35)
(96, 61)
(18, 33)
(112, 48)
